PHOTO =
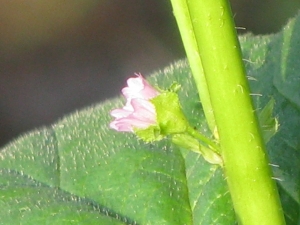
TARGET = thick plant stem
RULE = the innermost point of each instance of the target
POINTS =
(246, 166)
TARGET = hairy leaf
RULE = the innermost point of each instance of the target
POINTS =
(78, 171)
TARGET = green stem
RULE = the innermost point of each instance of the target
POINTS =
(208, 142)
(246, 166)
(182, 15)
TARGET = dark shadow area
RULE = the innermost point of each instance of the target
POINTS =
(56, 57)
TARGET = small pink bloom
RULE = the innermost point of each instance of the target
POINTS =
(138, 111)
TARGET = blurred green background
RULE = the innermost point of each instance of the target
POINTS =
(57, 56)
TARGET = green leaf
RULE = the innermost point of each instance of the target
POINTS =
(268, 123)
(77, 171)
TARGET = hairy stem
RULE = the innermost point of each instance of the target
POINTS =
(246, 166)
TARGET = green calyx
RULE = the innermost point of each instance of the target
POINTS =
(169, 114)
(169, 117)
(171, 122)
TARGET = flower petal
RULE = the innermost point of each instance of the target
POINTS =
(129, 123)
(120, 113)
(138, 111)
(138, 87)
(143, 110)
(121, 126)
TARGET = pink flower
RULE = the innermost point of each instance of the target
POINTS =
(138, 111)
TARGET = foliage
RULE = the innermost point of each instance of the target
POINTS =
(78, 171)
